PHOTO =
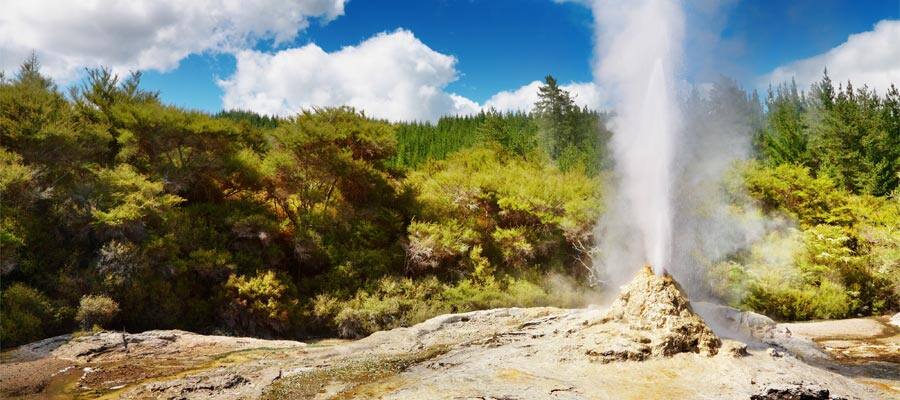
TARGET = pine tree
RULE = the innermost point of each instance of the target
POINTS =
(557, 113)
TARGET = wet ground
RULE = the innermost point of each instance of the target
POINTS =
(102, 368)
(865, 349)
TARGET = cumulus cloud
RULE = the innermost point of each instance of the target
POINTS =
(523, 98)
(69, 35)
(390, 75)
(871, 58)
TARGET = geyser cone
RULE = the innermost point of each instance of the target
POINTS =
(652, 318)
(655, 300)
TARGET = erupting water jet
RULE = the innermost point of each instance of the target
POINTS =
(639, 50)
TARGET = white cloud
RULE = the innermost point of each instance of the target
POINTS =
(523, 98)
(390, 75)
(68, 35)
(871, 58)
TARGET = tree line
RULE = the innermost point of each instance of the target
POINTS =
(124, 212)
(119, 211)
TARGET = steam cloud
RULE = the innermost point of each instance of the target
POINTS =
(639, 51)
(666, 205)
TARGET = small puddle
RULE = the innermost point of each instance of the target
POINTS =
(62, 386)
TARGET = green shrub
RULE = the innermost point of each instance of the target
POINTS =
(794, 191)
(813, 274)
(25, 315)
(390, 303)
(263, 304)
(96, 310)
(799, 302)
(469, 295)
(844, 259)
(485, 198)
(434, 245)
(393, 302)
(127, 196)
(514, 246)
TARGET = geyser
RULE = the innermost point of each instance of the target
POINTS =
(651, 318)
(649, 160)
(639, 50)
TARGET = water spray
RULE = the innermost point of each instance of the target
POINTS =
(639, 50)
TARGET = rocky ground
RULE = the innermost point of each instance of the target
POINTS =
(650, 343)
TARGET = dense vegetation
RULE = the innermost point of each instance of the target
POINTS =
(574, 138)
(121, 211)
(828, 166)
(839, 256)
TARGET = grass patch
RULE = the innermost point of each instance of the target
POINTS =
(351, 374)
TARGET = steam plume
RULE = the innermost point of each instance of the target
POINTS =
(666, 204)
(639, 51)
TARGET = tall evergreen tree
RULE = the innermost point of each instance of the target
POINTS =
(556, 112)
(784, 140)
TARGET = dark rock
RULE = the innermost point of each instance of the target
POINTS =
(795, 392)
(735, 349)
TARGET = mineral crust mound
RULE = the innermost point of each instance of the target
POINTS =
(651, 318)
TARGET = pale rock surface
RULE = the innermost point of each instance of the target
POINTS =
(649, 344)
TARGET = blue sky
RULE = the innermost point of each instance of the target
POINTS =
(504, 44)
(777, 32)
(498, 45)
